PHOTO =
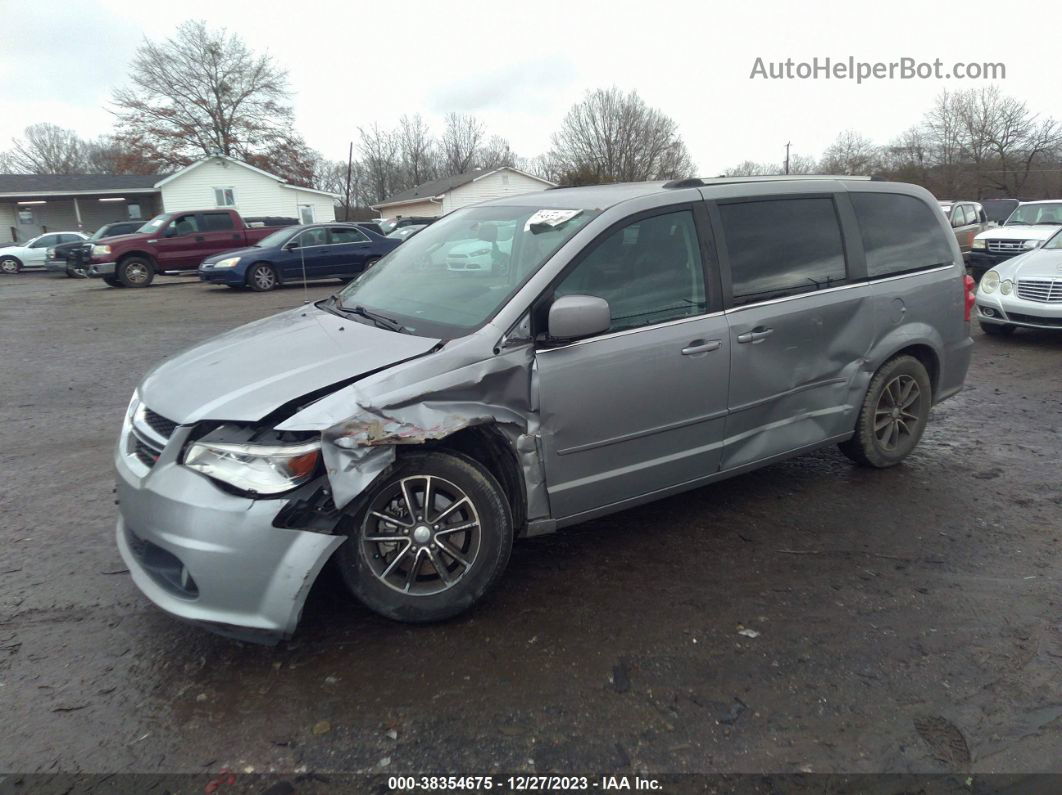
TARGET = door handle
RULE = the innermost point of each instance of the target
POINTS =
(758, 334)
(701, 346)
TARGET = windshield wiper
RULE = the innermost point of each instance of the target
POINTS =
(382, 321)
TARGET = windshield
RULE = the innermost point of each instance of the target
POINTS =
(1028, 214)
(278, 238)
(154, 224)
(454, 275)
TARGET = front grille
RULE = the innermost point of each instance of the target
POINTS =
(147, 454)
(1035, 320)
(159, 424)
(162, 566)
(1047, 291)
(1006, 246)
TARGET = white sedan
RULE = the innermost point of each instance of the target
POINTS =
(33, 253)
(1023, 291)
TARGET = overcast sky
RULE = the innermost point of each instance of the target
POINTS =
(519, 66)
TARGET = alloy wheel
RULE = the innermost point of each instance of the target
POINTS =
(136, 273)
(896, 417)
(421, 535)
(8, 265)
(264, 278)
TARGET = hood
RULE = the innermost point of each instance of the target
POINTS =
(248, 372)
(1040, 263)
(1019, 232)
(249, 251)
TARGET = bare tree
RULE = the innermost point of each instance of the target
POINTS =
(48, 149)
(379, 160)
(204, 92)
(416, 150)
(496, 153)
(851, 153)
(616, 137)
(461, 141)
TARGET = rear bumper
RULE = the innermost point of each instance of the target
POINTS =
(954, 364)
(210, 557)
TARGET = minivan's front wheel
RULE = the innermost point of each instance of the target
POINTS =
(893, 415)
(430, 540)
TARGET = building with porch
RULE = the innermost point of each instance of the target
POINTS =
(31, 204)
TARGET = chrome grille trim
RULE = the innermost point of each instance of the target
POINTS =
(1045, 291)
(1005, 246)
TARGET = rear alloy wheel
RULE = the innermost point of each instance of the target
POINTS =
(262, 278)
(10, 265)
(430, 541)
(998, 329)
(135, 272)
(893, 416)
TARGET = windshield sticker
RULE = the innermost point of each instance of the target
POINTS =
(545, 220)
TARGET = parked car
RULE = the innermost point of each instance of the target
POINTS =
(967, 219)
(316, 251)
(488, 254)
(999, 210)
(388, 225)
(63, 257)
(1024, 291)
(646, 339)
(372, 226)
(170, 242)
(405, 232)
(1026, 228)
(32, 254)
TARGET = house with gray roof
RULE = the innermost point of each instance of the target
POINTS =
(440, 196)
(31, 204)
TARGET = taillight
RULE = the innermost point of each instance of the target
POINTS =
(969, 287)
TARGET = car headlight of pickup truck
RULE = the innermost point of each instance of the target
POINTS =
(980, 244)
(100, 251)
(229, 262)
(989, 282)
(256, 468)
(1027, 244)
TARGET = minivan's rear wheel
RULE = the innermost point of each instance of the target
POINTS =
(430, 540)
(893, 415)
(135, 272)
(262, 278)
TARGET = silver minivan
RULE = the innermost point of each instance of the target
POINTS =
(619, 344)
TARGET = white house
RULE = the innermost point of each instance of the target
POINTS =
(34, 203)
(440, 196)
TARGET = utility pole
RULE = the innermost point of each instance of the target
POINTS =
(787, 157)
(346, 202)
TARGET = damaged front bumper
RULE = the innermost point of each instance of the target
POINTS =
(211, 557)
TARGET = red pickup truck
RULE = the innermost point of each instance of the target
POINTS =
(169, 242)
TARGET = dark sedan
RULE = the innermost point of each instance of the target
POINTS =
(311, 251)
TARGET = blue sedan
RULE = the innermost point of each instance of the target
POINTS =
(316, 251)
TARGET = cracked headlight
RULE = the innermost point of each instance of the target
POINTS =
(255, 468)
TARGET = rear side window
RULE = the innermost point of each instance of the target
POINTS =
(782, 246)
(343, 234)
(217, 222)
(900, 234)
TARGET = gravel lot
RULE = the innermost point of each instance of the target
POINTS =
(909, 620)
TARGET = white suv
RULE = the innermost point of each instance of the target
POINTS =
(1027, 228)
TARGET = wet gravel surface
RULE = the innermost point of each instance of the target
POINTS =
(808, 616)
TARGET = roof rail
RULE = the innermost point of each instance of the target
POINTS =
(698, 182)
(685, 182)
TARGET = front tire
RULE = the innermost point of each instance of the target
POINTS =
(429, 541)
(10, 265)
(135, 272)
(998, 329)
(262, 277)
(893, 416)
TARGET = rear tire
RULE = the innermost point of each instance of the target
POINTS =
(135, 272)
(10, 265)
(262, 277)
(449, 549)
(893, 416)
(998, 330)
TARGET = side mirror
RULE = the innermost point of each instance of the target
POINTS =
(575, 316)
(291, 245)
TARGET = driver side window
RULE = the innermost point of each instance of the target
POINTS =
(649, 271)
(185, 225)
